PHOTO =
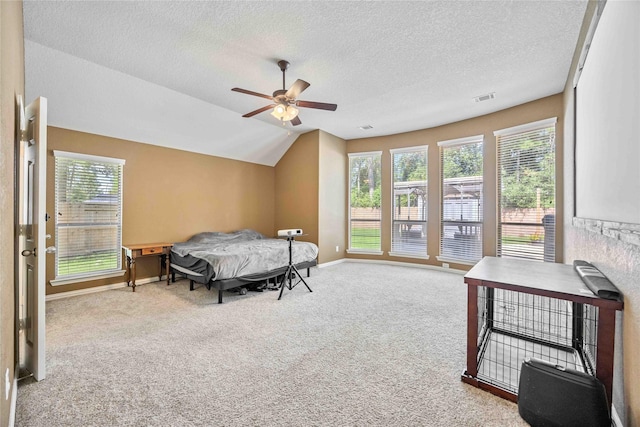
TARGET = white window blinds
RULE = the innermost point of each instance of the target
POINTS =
(461, 199)
(526, 191)
(364, 202)
(409, 217)
(88, 204)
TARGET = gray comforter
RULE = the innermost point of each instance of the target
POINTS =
(244, 252)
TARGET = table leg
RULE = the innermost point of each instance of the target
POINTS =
(133, 273)
(166, 266)
(128, 270)
(160, 260)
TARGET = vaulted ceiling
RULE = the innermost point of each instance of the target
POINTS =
(162, 72)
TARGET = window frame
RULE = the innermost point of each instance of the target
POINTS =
(513, 132)
(350, 249)
(400, 253)
(453, 143)
(64, 279)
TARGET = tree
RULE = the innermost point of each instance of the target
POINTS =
(410, 166)
(365, 181)
(81, 181)
(527, 172)
(462, 161)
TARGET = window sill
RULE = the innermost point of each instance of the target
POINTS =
(86, 277)
(408, 255)
(457, 260)
(363, 252)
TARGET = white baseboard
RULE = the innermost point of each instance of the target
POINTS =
(139, 282)
(615, 419)
(406, 264)
(14, 399)
(68, 294)
(330, 263)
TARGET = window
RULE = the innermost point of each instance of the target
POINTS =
(461, 199)
(526, 191)
(409, 218)
(364, 202)
(88, 216)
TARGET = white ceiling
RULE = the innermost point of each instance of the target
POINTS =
(162, 72)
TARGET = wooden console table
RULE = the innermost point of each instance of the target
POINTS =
(518, 309)
(160, 250)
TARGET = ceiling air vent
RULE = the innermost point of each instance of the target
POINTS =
(365, 127)
(486, 97)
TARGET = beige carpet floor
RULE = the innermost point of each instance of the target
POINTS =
(372, 345)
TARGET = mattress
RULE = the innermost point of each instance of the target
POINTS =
(220, 256)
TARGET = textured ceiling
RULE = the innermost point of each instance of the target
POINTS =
(161, 72)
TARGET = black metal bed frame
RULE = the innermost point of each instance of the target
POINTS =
(236, 282)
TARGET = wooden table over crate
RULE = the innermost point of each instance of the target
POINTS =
(545, 279)
(160, 250)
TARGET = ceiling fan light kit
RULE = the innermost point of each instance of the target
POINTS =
(284, 99)
(284, 112)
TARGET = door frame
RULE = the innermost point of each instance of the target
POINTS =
(31, 221)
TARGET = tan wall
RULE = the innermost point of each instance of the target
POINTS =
(170, 195)
(11, 84)
(484, 125)
(619, 261)
(311, 192)
(332, 198)
(296, 178)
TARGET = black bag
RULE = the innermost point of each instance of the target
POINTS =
(551, 395)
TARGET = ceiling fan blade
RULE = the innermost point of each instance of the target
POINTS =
(318, 105)
(296, 121)
(259, 110)
(250, 92)
(296, 89)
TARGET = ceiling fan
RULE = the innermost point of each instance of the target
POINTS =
(285, 100)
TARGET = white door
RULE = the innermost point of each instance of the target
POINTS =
(32, 240)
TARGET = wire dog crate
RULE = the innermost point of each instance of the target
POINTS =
(513, 326)
(520, 309)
